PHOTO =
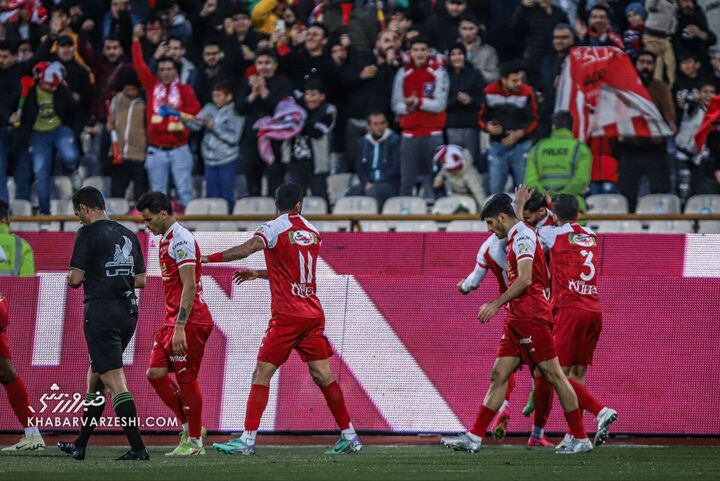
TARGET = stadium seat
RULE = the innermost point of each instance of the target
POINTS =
(117, 206)
(454, 203)
(100, 183)
(11, 188)
(354, 204)
(62, 207)
(705, 204)
(467, 226)
(329, 226)
(374, 226)
(22, 207)
(338, 185)
(670, 227)
(62, 187)
(253, 205)
(403, 205)
(215, 206)
(417, 226)
(663, 204)
(607, 204)
(608, 226)
(314, 205)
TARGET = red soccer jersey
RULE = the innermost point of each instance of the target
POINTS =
(573, 257)
(548, 220)
(4, 316)
(534, 302)
(292, 246)
(178, 248)
(492, 256)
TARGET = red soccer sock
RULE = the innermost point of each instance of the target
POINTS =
(543, 399)
(170, 395)
(576, 424)
(18, 396)
(510, 387)
(257, 401)
(336, 402)
(586, 400)
(193, 406)
(483, 420)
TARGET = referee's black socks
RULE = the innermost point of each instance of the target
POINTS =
(124, 406)
(91, 417)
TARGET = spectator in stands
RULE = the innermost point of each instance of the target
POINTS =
(693, 34)
(308, 57)
(240, 40)
(534, 20)
(266, 14)
(712, 12)
(563, 41)
(110, 71)
(119, 22)
(419, 98)
(359, 23)
(659, 28)
(479, 54)
(466, 91)
(168, 149)
(377, 163)
(10, 73)
(560, 164)
(174, 49)
(686, 89)
(257, 98)
(706, 176)
(211, 71)
(220, 143)
(715, 64)
(128, 121)
(173, 20)
(632, 36)
(309, 151)
(77, 77)
(48, 123)
(640, 156)
(16, 256)
(598, 32)
(509, 114)
(155, 35)
(457, 174)
(443, 27)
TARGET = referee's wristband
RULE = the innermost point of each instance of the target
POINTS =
(217, 257)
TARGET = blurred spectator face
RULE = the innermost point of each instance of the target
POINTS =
(313, 98)
(419, 53)
(686, 6)
(221, 98)
(265, 66)
(562, 39)
(212, 55)
(468, 31)
(634, 19)
(241, 23)
(707, 92)
(25, 52)
(131, 92)
(167, 72)
(61, 17)
(155, 32)
(645, 66)
(65, 52)
(175, 49)
(512, 82)
(315, 39)
(117, 6)
(386, 41)
(377, 124)
(457, 59)
(455, 8)
(112, 50)
(399, 23)
(7, 59)
(338, 54)
(599, 21)
(690, 67)
(715, 61)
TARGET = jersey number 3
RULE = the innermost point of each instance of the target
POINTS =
(589, 264)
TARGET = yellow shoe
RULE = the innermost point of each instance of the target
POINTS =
(27, 443)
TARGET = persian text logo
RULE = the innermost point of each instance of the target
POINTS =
(58, 402)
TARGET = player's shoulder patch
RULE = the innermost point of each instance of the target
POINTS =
(303, 237)
(582, 240)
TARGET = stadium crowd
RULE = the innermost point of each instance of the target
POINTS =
(419, 97)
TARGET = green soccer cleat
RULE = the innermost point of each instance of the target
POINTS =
(184, 437)
(185, 450)
(235, 446)
(346, 446)
(530, 406)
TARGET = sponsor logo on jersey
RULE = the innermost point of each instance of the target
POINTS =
(428, 89)
(583, 240)
(181, 254)
(526, 340)
(302, 237)
(123, 263)
(178, 358)
(581, 288)
(303, 291)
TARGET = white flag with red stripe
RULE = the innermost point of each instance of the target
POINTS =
(601, 89)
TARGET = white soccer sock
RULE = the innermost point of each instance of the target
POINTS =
(32, 431)
(473, 437)
(195, 442)
(186, 428)
(248, 437)
(348, 433)
(537, 432)
(505, 404)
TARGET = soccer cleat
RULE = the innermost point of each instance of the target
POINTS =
(562, 444)
(27, 443)
(536, 442)
(576, 446)
(499, 428)
(66, 447)
(346, 446)
(184, 450)
(139, 455)
(530, 406)
(184, 437)
(461, 443)
(235, 446)
(604, 419)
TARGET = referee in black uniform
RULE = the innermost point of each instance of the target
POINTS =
(108, 263)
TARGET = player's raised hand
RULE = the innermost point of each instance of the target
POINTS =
(459, 286)
(487, 311)
(241, 276)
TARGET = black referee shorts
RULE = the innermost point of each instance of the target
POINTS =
(109, 326)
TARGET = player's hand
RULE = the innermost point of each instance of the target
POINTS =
(241, 276)
(179, 343)
(487, 312)
(522, 193)
(138, 31)
(459, 286)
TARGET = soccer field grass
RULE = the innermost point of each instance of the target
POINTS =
(376, 463)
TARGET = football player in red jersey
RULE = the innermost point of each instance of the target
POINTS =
(577, 313)
(180, 342)
(15, 388)
(527, 336)
(537, 211)
(291, 245)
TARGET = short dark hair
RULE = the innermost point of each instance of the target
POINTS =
(176, 38)
(496, 205)
(268, 53)
(562, 26)
(562, 120)
(224, 86)
(326, 32)
(511, 67)
(647, 53)
(419, 39)
(89, 197)
(212, 42)
(112, 38)
(4, 209)
(12, 47)
(599, 6)
(536, 202)
(154, 202)
(469, 17)
(566, 207)
(376, 113)
(165, 59)
(287, 195)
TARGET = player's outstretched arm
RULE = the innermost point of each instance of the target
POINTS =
(248, 275)
(523, 281)
(522, 195)
(236, 253)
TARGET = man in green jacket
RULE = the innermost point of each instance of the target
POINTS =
(16, 255)
(560, 164)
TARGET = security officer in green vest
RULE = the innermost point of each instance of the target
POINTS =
(16, 255)
(560, 164)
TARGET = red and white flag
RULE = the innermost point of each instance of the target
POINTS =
(601, 89)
